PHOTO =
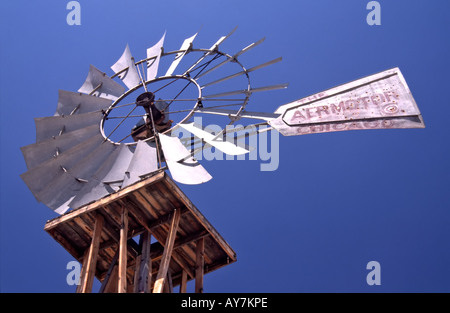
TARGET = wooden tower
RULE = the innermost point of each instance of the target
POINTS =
(100, 236)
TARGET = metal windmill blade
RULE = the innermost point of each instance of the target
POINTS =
(126, 70)
(113, 132)
(186, 171)
(153, 58)
(100, 85)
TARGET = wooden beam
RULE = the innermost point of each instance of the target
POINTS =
(83, 260)
(201, 218)
(145, 272)
(90, 261)
(111, 286)
(178, 259)
(107, 280)
(104, 201)
(157, 249)
(137, 265)
(122, 277)
(169, 283)
(199, 265)
(168, 247)
(183, 284)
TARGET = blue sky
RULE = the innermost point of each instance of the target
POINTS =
(337, 200)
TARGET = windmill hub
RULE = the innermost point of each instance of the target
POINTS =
(154, 119)
(165, 99)
(145, 99)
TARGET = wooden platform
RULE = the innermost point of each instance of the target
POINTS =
(100, 236)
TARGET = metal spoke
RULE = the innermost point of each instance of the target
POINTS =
(203, 64)
(128, 116)
(212, 107)
(213, 99)
(165, 100)
(166, 85)
(123, 105)
(131, 133)
(204, 67)
(123, 120)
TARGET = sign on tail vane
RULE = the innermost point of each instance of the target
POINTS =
(378, 101)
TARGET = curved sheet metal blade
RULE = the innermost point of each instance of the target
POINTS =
(40, 152)
(144, 161)
(68, 185)
(38, 178)
(213, 49)
(248, 48)
(187, 43)
(224, 146)
(52, 126)
(116, 167)
(100, 85)
(222, 39)
(106, 179)
(154, 56)
(127, 69)
(70, 103)
(188, 172)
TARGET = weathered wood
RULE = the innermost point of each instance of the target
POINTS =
(136, 273)
(199, 216)
(90, 263)
(199, 265)
(168, 247)
(145, 273)
(84, 266)
(111, 285)
(183, 263)
(60, 238)
(169, 283)
(122, 277)
(104, 201)
(157, 249)
(183, 284)
(150, 209)
(109, 273)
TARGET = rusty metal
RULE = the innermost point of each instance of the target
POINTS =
(378, 101)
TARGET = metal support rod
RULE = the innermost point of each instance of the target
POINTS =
(204, 67)
(123, 120)
(142, 80)
(95, 89)
(155, 135)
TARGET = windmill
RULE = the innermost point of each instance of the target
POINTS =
(117, 135)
